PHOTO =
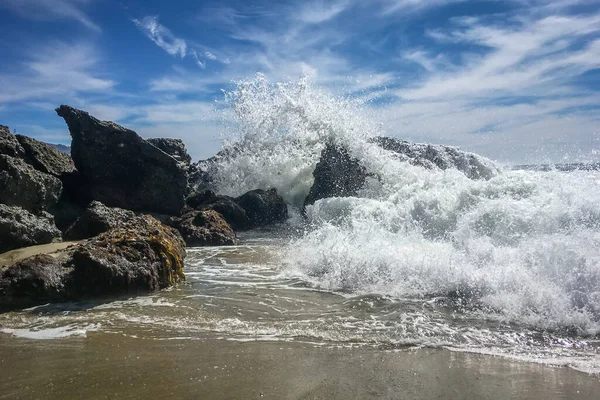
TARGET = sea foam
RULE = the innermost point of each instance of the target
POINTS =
(521, 247)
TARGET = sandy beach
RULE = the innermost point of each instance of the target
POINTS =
(104, 366)
(14, 256)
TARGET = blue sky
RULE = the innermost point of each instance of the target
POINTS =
(518, 81)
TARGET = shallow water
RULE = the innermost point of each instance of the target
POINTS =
(243, 294)
(519, 247)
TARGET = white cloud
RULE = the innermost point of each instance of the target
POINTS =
(528, 55)
(406, 6)
(199, 62)
(210, 55)
(316, 12)
(52, 10)
(181, 80)
(422, 58)
(162, 36)
(511, 92)
(55, 69)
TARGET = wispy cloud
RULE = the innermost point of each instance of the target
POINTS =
(181, 80)
(406, 6)
(55, 69)
(52, 10)
(162, 36)
(315, 12)
(200, 63)
(512, 93)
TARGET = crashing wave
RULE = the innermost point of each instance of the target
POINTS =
(417, 220)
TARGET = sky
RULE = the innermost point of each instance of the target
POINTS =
(515, 80)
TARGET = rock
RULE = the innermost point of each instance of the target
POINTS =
(173, 147)
(77, 188)
(198, 177)
(21, 185)
(263, 207)
(336, 175)
(61, 147)
(438, 156)
(98, 218)
(253, 209)
(65, 214)
(9, 144)
(45, 158)
(131, 259)
(204, 228)
(231, 211)
(36, 280)
(20, 228)
(123, 169)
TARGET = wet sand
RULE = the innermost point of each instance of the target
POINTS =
(110, 366)
(14, 256)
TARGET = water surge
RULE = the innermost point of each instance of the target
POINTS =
(521, 247)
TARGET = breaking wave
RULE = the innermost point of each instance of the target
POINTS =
(520, 247)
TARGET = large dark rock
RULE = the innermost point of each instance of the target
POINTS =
(36, 280)
(9, 144)
(124, 170)
(336, 175)
(98, 218)
(132, 259)
(44, 157)
(204, 228)
(173, 147)
(231, 211)
(22, 185)
(263, 207)
(20, 228)
(438, 156)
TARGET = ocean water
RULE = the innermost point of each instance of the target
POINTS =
(522, 247)
(421, 257)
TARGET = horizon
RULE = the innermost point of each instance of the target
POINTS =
(515, 81)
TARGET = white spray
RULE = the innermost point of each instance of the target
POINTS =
(524, 247)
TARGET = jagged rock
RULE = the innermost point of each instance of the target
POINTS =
(336, 175)
(198, 177)
(131, 259)
(66, 213)
(204, 228)
(173, 147)
(21, 185)
(201, 173)
(124, 170)
(61, 147)
(9, 144)
(98, 218)
(20, 228)
(44, 157)
(231, 211)
(36, 280)
(263, 207)
(443, 157)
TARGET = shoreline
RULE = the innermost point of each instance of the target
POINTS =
(116, 366)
